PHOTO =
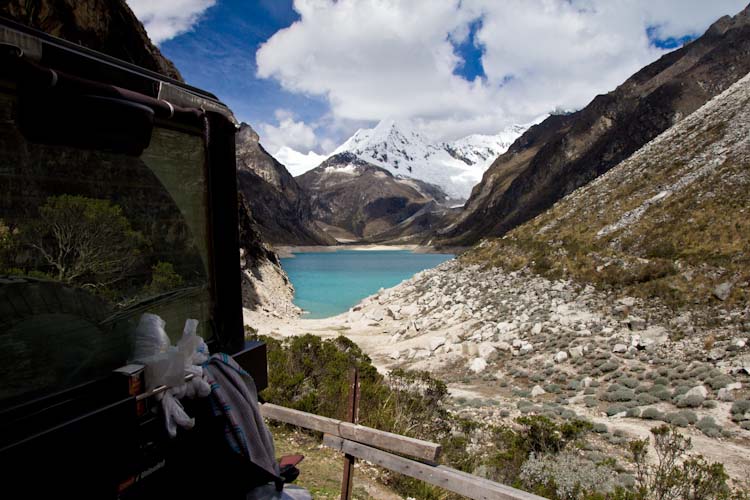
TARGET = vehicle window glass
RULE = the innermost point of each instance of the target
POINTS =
(90, 240)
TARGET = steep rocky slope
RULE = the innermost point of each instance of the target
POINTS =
(360, 200)
(670, 221)
(564, 152)
(281, 209)
(108, 26)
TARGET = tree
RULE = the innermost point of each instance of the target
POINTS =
(675, 476)
(164, 278)
(85, 241)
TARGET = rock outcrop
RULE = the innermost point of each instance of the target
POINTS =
(565, 152)
(280, 208)
(359, 200)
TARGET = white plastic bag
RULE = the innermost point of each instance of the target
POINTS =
(150, 337)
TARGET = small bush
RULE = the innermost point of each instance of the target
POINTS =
(691, 401)
(671, 477)
(689, 415)
(652, 414)
(646, 399)
(567, 476)
(633, 413)
(590, 401)
(719, 381)
(615, 409)
(600, 428)
(709, 427)
(609, 366)
(740, 407)
(676, 419)
(680, 390)
(552, 388)
(619, 395)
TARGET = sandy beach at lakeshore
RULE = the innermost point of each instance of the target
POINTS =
(285, 251)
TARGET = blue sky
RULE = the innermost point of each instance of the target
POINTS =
(218, 55)
(308, 74)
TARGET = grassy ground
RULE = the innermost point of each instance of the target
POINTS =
(322, 469)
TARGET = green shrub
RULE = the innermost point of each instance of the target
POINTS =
(615, 409)
(646, 399)
(590, 401)
(652, 413)
(671, 477)
(633, 413)
(676, 419)
(310, 374)
(619, 395)
(660, 392)
(691, 401)
(709, 427)
(552, 388)
(689, 415)
(163, 278)
(740, 407)
(710, 404)
(600, 428)
(629, 382)
(609, 366)
(719, 382)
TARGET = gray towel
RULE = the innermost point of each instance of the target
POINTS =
(233, 395)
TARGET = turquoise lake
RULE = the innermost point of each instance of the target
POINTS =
(329, 283)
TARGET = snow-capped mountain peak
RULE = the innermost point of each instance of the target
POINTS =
(398, 146)
(298, 163)
(456, 167)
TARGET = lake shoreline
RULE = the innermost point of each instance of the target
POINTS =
(288, 251)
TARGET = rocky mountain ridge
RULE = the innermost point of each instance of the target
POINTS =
(564, 152)
(669, 222)
(359, 200)
(281, 208)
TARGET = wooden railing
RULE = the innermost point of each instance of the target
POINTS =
(385, 449)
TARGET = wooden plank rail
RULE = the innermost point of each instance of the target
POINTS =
(450, 479)
(423, 450)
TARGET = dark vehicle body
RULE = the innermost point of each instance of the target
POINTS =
(118, 196)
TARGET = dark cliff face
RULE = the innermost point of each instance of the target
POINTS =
(562, 153)
(107, 26)
(280, 208)
(360, 200)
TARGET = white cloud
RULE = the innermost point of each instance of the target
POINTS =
(377, 58)
(165, 19)
(295, 134)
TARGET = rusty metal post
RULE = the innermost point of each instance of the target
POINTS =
(352, 416)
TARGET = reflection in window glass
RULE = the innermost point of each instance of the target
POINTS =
(90, 240)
